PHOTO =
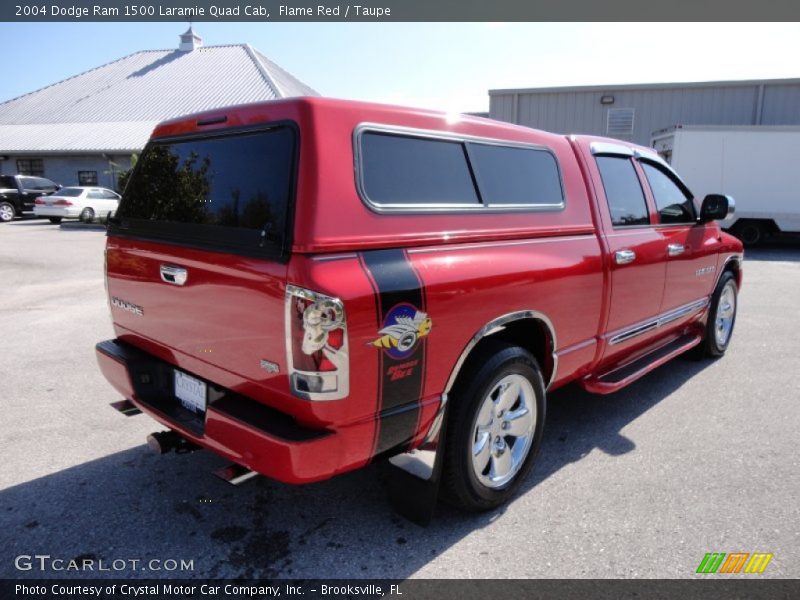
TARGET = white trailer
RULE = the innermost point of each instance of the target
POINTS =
(758, 165)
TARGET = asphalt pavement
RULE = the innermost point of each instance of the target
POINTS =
(696, 457)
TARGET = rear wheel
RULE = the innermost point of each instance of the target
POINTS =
(7, 212)
(494, 427)
(751, 233)
(87, 215)
(55, 220)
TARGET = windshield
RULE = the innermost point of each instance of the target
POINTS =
(226, 192)
(7, 182)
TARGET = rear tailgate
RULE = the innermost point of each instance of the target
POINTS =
(197, 252)
(228, 313)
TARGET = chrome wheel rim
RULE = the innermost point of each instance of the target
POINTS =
(503, 431)
(6, 213)
(726, 311)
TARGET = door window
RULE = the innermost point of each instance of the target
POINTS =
(624, 194)
(673, 200)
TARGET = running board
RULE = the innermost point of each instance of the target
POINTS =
(622, 375)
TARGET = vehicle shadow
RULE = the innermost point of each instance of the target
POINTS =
(79, 226)
(135, 505)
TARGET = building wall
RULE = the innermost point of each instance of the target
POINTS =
(580, 111)
(64, 169)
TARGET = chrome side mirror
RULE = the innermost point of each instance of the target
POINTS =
(717, 207)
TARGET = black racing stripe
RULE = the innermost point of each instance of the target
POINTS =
(397, 283)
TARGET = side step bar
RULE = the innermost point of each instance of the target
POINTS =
(622, 375)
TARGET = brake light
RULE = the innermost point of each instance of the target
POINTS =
(39, 200)
(316, 345)
(62, 202)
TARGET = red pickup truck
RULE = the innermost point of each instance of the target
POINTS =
(307, 286)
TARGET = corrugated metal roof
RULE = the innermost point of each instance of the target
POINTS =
(108, 108)
(116, 136)
(643, 86)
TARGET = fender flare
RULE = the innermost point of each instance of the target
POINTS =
(497, 325)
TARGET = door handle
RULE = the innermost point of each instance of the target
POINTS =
(623, 257)
(675, 249)
(175, 275)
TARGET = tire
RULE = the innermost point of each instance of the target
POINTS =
(476, 398)
(7, 212)
(751, 233)
(55, 220)
(720, 322)
(87, 215)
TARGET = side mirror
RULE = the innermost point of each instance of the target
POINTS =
(716, 207)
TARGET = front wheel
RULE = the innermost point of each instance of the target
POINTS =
(494, 427)
(721, 316)
(7, 212)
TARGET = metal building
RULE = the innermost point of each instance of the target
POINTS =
(83, 130)
(634, 112)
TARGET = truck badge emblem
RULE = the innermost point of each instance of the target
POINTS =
(125, 305)
(269, 366)
(403, 327)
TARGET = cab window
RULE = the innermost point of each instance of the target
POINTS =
(626, 201)
(673, 200)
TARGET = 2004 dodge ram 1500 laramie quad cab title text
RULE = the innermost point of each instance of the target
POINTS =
(306, 286)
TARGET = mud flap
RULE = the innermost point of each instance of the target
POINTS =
(413, 478)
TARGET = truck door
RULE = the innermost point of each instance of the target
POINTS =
(691, 248)
(635, 251)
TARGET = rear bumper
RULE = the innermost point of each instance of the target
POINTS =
(56, 211)
(234, 426)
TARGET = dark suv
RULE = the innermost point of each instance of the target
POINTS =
(19, 192)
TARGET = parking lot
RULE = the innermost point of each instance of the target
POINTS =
(697, 457)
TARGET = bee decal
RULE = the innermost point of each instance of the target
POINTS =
(403, 327)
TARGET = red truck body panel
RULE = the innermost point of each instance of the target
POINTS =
(469, 269)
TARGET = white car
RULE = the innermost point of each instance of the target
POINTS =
(84, 203)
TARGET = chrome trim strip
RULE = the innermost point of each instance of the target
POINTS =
(499, 324)
(658, 321)
(682, 311)
(466, 244)
(428, 208)
(632, 333)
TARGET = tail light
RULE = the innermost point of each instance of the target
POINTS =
(62, 202)
(316, 345)
(39, 201)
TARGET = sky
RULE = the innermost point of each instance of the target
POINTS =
(446, 66)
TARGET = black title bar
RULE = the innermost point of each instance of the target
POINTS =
(399, 10)
(710, 587)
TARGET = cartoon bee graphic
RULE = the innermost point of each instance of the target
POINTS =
(403, 327)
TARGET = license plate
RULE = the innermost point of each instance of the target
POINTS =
(191, 392)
